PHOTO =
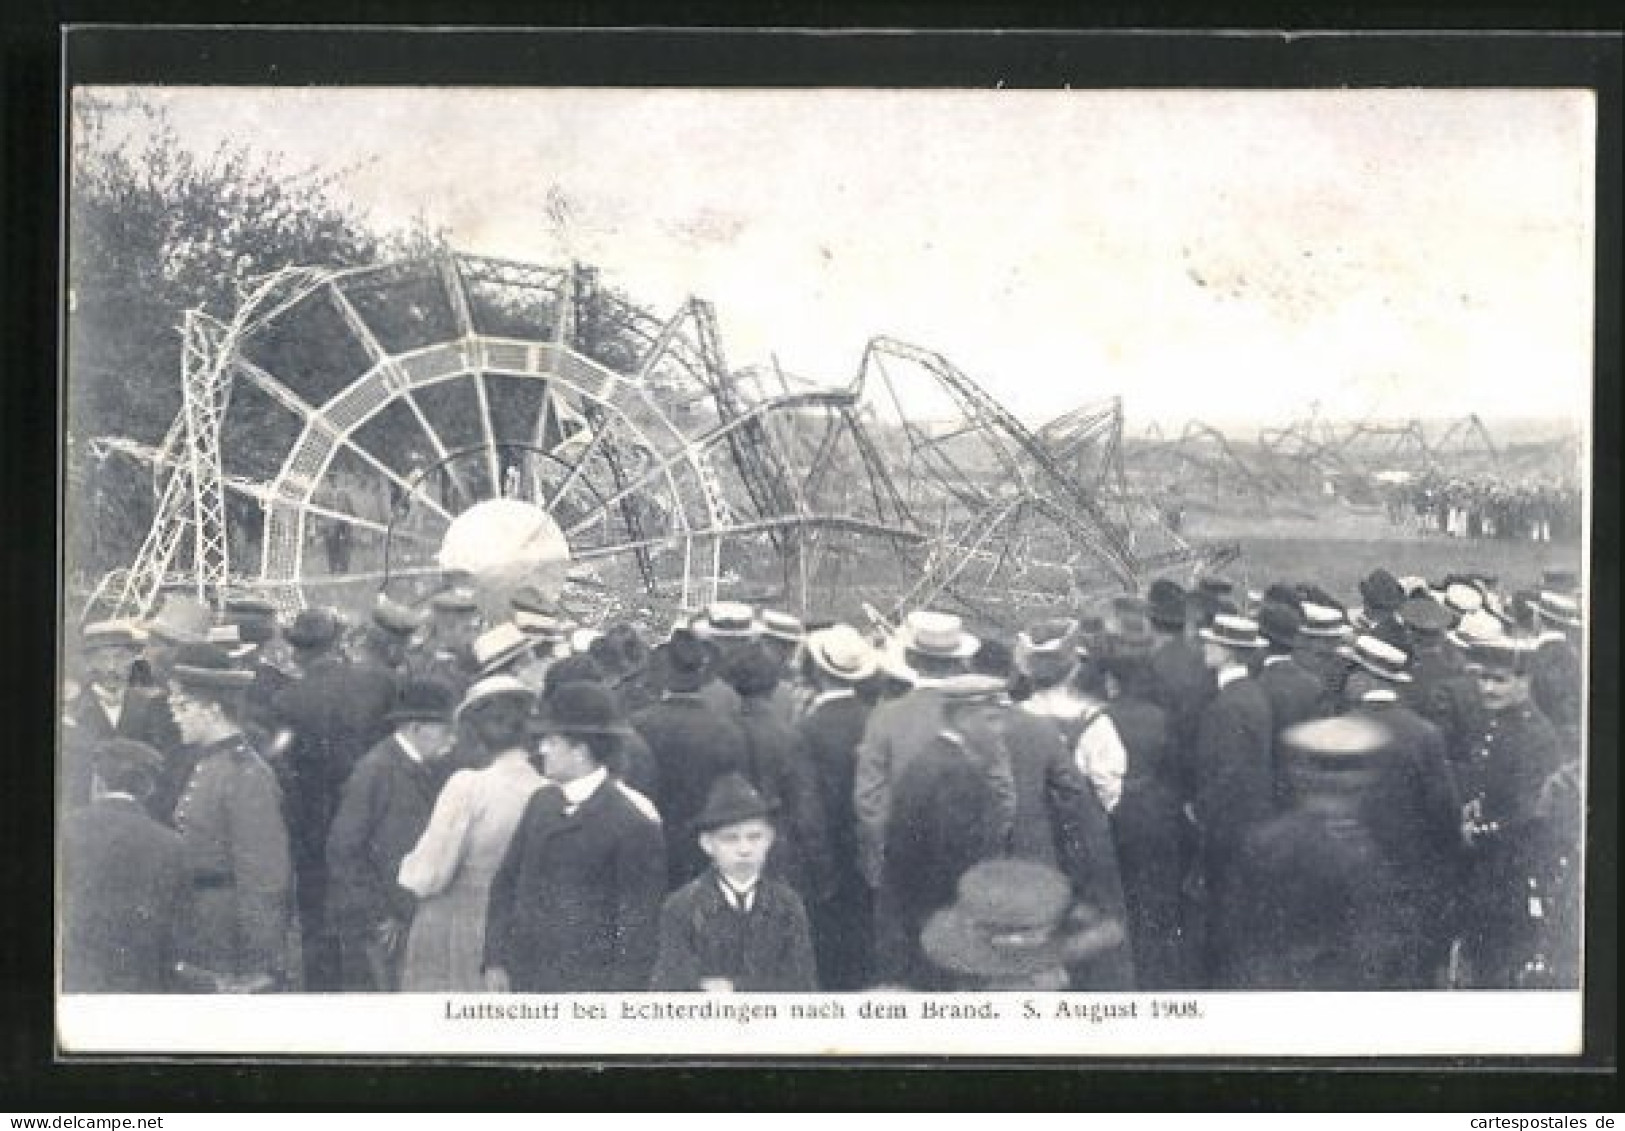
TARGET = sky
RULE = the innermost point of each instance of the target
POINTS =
(1223, 256)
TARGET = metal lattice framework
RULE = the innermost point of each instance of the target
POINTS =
(367, 408)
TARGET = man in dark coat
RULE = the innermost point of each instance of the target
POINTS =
(124, 880)
(726, 627)
(383, 811)
(1511, 761)
(1313, 884)
(1324, 630)
(692, 746)
(334, 713)
(838, 659)
(574, 907)
(111, 703)
(1234, 787)
(732, 928)
(1295, 695)
(1554, 667)
(238, 927)
(1182, 681)
(1413, 810)
(1382, 595)
(1441, 690)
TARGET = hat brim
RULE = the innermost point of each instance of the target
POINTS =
(865, 670)
(409, 715)
(506, 656)
(1359, 661)
(954, 943)
(711, 632)
(722, 818)
(212, 679)
(1212, 637)
(1559, 618)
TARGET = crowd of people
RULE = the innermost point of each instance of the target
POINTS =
(1194, 788)
(1488, 508)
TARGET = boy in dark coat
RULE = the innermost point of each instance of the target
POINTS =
(385, 807)
(732, 929)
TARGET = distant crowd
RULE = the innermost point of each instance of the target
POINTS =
(1190, 788)
(1489, 508)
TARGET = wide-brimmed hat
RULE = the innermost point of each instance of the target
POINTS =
(499, 646)
(396, 618)
(782, 626)
(205, 666)
(1476, 628)
(1233, 632)
(1381, 591)
(1462, 598)
(1559, 609)
(1323, 621)
(731, 800)
(1166, 599)
(1048, 648)
(579, 707)
(1279, 623)
(935, 636)
(725, 620)
(112, 634)
(1425, 615)
(1343, 742)
(1378, 657)
(1007, 920)
(492, 687)
(842, 652)
(422, 700)
(180, 620)
(313, 628)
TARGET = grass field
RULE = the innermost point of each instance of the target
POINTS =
(1339, 547)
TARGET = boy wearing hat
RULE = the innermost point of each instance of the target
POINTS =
(573, 908)
(732, 929)
(239, 919)
(384, 808)
(124, 880)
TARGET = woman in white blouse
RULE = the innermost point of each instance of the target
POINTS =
(451, 868)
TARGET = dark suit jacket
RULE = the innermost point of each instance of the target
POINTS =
(574, 906)
(1295, 696)
(123, 885)
(830, 734)
(691, 746)
(144, 715)
(385, 808)
(1182, 686)
(777, 766)
(1442, 692)
(1234, 787)
(767, 949)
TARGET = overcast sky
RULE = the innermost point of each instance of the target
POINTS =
(1223, 256)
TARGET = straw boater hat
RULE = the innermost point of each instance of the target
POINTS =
(499, 646)
(112, 634)
(1323, 621)
(1008, 920)
(1559, 609)
(1461, 598)
(927, 638)
(842, 652)
(1233, 632)
(1341, 749)
(422, 700)
(1047, 649)
(782, 626)
(731, 800)
(726, 620)
(181, 620)
(396, 618)
(490, 688)
(1378, 657)
(1477, 627)
(580, 708)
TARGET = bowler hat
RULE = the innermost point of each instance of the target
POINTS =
(206, 666)
(732, 799)
(1217, 586)
(1378, 657)
(1381, 592)
(313, 629)
(842, 652)
(687, 660)
(1007, 920)
(1425, 615)
(396, 618)
(579, 708)
(1167, 601)
(422, 700)
(1279, 623)
(1232, 632)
